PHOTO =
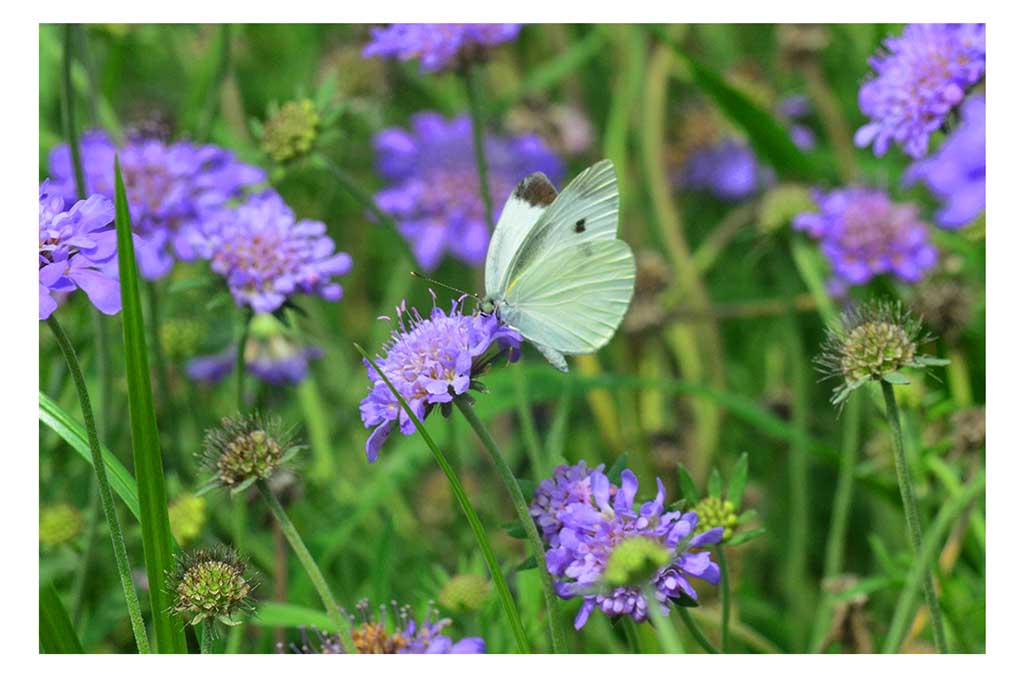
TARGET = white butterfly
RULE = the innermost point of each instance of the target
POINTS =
(555, 270)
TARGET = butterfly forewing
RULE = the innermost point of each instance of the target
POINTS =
(521, 212)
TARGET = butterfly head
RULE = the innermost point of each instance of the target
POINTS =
(488, 305)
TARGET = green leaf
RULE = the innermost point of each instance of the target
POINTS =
(515, 530)
(926, 360)
(715, 483)
(745, 536)
(685, 600)
(770, 139)
(530, 563)
(687, 486)
(285, 615)
(157, 544)
(56, 634)
(527, 488)
(738, 480)
(896, 378)
(73, 432)
(619, 465)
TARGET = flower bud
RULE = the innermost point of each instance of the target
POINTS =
(465, 592)
(211, 584)
(635, 561)
(290, 130)
(59, 524)
(715, 512)
(246, 449)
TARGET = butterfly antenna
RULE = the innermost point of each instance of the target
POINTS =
(444, 285)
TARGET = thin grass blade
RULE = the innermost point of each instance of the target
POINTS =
(56, 634)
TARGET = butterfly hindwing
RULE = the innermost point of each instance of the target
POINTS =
(573, 299)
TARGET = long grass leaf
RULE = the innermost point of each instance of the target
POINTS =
(56, 634)
(156, 540)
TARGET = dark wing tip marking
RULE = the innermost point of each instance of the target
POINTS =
(579, 226)
(536, 189)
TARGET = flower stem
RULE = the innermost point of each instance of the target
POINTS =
(910, 511)
(524, 415)
(631, 633)
(167, 402)
(669, 640)
(509, 607)
(470, 74)
(311, 568)
(699, 635)
(506, 475)
(724, 589)
(219, 74)
(239, 509)
(239, 366)
(206, 637)
(105, 495)
(834, 546)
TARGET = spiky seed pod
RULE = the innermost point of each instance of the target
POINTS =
(290, 130)
(465, 592)
(634, 562)
(245, 449)
(59, 524)
(211, 584)
(715, 512)
(873, 342)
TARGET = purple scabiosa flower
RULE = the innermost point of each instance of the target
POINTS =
(438, 46)
(271, 354)
(267, 256)
(919, 78)
(864, 234)
(77, 249)
(569, 484)
(793, 109)
(606, 541)
(433, 190)
(956, 172)
(406, 635)
(430, 361)
(728, 170)
(170, 188)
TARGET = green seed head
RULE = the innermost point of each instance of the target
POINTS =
(245, 449)
(290, 131)
(875, 348)
(465, 592)
(187, 517)
(59, 524)
(715, 512)
(211, 584)
(634, 562)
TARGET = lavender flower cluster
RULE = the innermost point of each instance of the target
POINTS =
(429, 361)
(919, 78)
(864, 234)
(433, 186)
(438, 46)
(584, 518)
(77, 249)
(171, 189)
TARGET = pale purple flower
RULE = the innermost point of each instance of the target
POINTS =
(601, 518)
(727, 170)
(956, 172)
(77, 249)
(267, 255)
(864, 234)
(170, 188)
(919, 78)
(277, 361)
(438, 46)
(569, 484)
(429, 361)
(433, 188)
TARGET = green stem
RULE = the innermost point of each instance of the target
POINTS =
(913, 519)
(928, 555)
(724, 589)
(105, 495)
(696, 631)
(70, 126)
(509, 607)
(206, 637)
(834, 547)
(631, 633)
(699, 635)
(797, 545)
(524, 415)
(162, 380)
(506, 476)
(341, 622)
(470, 73)
(81, 577)
(669, 639)
(239, 365)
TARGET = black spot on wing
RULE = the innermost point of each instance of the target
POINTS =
(579, 226)
(536, 190)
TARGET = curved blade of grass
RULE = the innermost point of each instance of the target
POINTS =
(56, 634)
(769, 138)
(73, 432)
(498, 578)
(156, 540)
(286, 615)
